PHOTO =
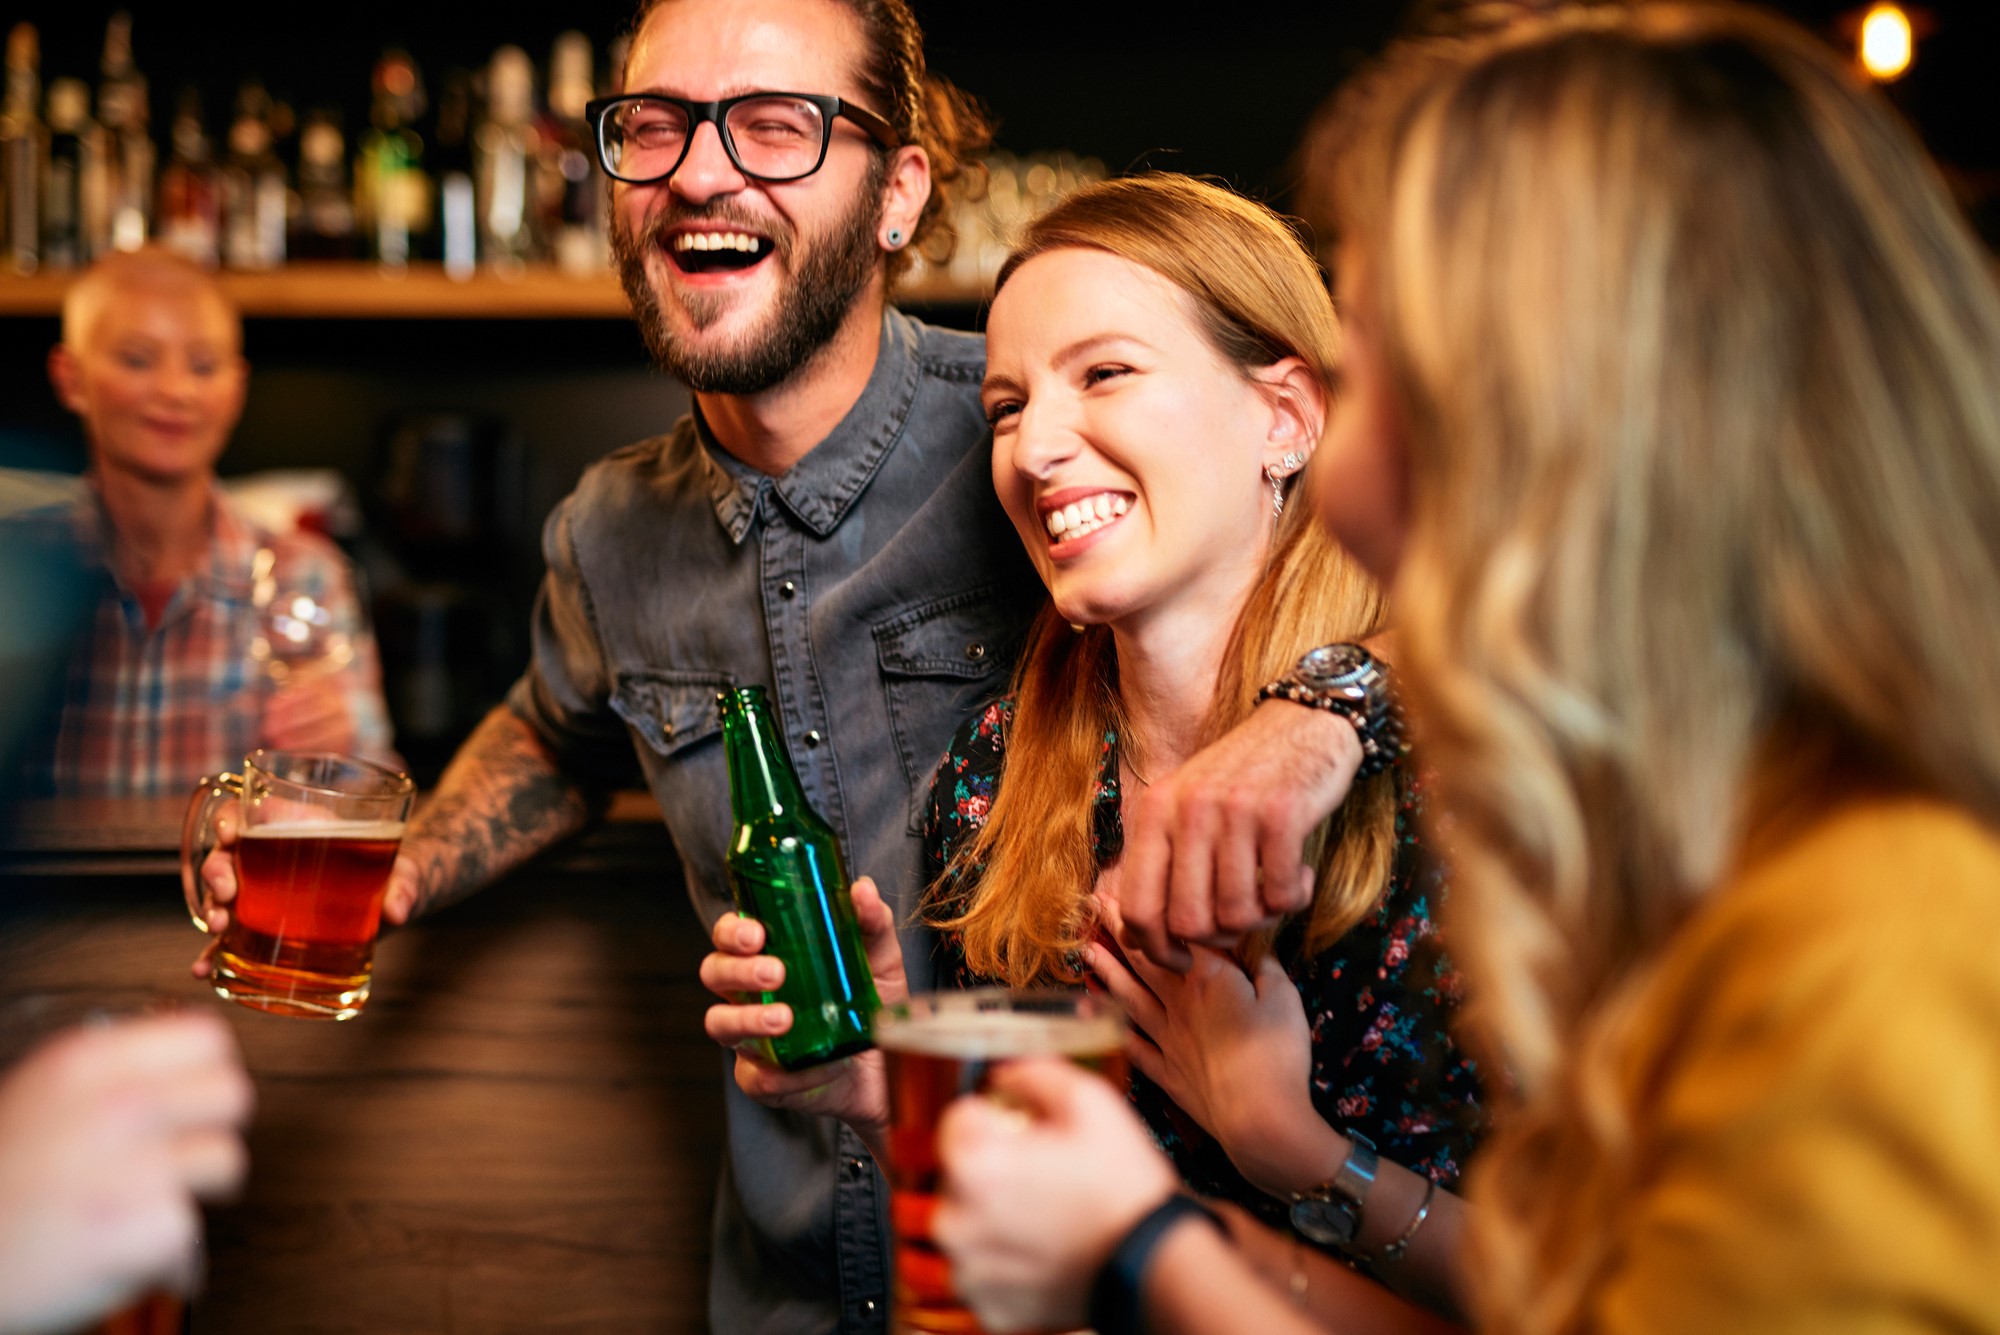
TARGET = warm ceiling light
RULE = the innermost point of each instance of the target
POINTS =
(1886, 42)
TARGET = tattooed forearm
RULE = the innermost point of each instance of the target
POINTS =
(503, 800)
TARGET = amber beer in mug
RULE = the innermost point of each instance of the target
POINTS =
(939, 1046)
(316, 835)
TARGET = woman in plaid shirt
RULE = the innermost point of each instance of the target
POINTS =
(167, 683)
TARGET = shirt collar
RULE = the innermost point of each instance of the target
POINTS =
(232, 543)
(822, 487)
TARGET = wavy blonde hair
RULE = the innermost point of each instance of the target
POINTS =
(1258, 297)
(1699, 372)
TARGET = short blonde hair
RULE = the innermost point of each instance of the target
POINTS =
(154, 268)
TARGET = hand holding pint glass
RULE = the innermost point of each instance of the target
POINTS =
(945, 1044)
(316, 835)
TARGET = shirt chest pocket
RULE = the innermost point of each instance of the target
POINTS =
(940, 661)
(670, 711)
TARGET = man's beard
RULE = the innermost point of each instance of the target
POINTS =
(812, 302)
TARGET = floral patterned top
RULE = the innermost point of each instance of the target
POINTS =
(1379, 1001)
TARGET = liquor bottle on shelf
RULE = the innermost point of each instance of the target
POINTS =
(129, 161)
(786, 871)
(254, 193)
(23, 143)
(572, 204)
(391, 191)
(325, 226)
(458, 209)
(72, 187)
(190, 209)
(505, 154)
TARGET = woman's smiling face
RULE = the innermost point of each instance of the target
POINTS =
(1128, 451)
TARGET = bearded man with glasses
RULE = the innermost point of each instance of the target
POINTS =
(823, 524)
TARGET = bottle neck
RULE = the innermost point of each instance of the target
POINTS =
(762, 781)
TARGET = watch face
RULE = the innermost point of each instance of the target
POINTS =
(1335, 664)
(1328, 1223)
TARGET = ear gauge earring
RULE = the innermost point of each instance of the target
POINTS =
(1291, 463)
(893, 238)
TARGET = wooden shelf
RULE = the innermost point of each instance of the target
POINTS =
(360, 291)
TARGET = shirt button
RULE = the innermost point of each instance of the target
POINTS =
(788, 590)
(975, 651)
(812, 737)
(868, 1306)
(667, 730)
(858, 1165)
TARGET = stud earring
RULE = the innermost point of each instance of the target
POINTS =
(894, 238)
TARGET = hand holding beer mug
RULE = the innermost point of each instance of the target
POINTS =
(316, 835)
(944, 1044)
(1043, 1179)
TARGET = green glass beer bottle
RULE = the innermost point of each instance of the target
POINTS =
(785, 870)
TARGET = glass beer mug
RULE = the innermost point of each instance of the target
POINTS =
(316, 835)
(940, 1045)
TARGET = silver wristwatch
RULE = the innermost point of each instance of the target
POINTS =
(1347, 680)
(1330, 1213)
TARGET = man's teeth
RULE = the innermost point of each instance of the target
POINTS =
(1086, 516)
(743, 241)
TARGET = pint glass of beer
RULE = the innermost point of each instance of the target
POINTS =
(939, 1046)
(316, 835)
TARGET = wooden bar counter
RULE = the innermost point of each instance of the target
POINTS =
(520, 1134)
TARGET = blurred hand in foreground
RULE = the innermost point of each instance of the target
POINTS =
(108, 1137)
(1043, 1177)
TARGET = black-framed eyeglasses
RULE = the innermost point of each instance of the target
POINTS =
(644, 137)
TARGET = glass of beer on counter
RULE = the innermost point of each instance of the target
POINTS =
(941, 1045)
(315, 837)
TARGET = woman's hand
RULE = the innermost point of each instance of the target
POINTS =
(309, 714)
(1232, 1049)
(1042, 1179)
(854, 1089)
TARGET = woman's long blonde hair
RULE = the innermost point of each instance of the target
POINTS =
(1699, 373)
(1258, 297)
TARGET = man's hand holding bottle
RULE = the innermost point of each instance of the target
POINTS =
(854, 1089)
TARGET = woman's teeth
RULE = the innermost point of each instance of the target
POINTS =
(1080, 518)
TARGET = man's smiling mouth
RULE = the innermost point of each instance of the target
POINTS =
(703, 252)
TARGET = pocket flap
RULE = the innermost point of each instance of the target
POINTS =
(966, 635)
(671, 710)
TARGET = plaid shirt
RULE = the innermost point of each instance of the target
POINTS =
(147, 711)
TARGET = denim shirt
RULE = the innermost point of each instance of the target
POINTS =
(879, 593)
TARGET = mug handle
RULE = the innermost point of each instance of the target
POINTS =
(198, 836)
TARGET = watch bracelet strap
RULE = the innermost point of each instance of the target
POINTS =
(1117, 1305)
(1345, 1194)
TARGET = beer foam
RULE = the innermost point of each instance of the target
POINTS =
(964, 1033)
(327, 829)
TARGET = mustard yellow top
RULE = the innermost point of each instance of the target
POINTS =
(1816, 1074)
